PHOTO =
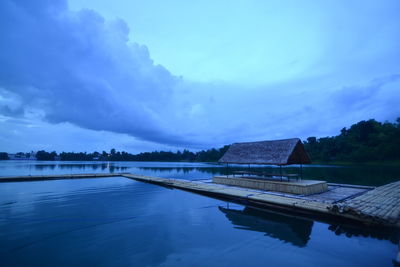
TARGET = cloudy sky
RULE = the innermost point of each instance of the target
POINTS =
(86, 75)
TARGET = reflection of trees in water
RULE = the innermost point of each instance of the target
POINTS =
(77, 166)
(381, 234)
(363, 175)
(45, 167)
(113, 168)
(290, 229)
(184, 170)
(221, 170)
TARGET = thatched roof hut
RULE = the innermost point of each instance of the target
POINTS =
(276, 152)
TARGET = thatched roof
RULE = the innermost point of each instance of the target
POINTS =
(276, 152)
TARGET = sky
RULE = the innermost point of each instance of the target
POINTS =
(91, 75)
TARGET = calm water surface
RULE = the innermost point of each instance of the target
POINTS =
(118, 221)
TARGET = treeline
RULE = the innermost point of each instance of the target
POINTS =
(210, 155)
(362, 142)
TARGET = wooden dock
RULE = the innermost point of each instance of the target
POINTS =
(32, 178)
(324, 204)
(381, 204)
(298, 187)
(362, 204)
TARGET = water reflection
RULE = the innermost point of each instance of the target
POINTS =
(391, 235)
(80, 166)
(112, 222)
(81, 218)
(184, 170)
(297, 230)
(352, 174)
(290, 229)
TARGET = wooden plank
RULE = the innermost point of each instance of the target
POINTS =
(381, 203)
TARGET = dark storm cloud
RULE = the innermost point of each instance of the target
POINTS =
(77, 67)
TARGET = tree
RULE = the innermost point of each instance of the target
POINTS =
(43, 155)
(364, 141)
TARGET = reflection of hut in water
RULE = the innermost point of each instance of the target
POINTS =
(287, 228)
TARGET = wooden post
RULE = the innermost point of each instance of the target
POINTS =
(227, 173)
(301, 169)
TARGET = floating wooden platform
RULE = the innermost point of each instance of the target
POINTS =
(298, 187)
(321, 204)
(367, 205)
(381, 204)
(32, 178)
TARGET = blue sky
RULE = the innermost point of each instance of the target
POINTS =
(148, 75)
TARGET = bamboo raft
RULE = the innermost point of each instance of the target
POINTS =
(348, 197)
(381, 204)
(362, 204)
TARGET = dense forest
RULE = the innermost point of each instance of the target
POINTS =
(365, 141)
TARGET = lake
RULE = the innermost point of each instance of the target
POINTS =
(118, 221)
